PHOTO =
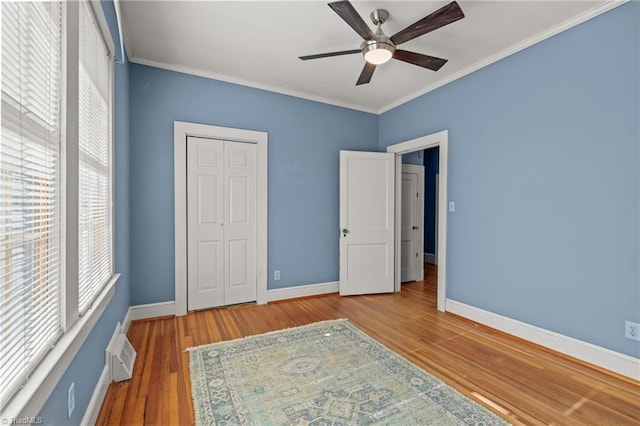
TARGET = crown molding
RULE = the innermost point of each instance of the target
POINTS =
(583, 17)
(249, 83)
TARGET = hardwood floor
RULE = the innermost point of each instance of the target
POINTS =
(523, 383)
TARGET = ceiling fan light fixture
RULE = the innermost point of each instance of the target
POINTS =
(378, 48)
(377, 52)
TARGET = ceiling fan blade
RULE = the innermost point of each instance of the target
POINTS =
(441, 17)
(365, 75)
(328, 55)
(348, 13)
(425, 61)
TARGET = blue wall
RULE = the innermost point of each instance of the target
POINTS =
(87, 365)
(304, 140)
(414, 158)
(543, 167)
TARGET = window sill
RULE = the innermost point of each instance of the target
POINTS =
(28, 401)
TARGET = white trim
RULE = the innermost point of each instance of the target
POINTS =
(118, 12)
(397, 267)
(418, 144)
(605, 358)
(302, 291)
(103, 26)
(69, 253)
(30, 399)
(150, 310)
(576, 20)
(163, 309)
(125, 34)
(430, 258)
(181, 131)
(249, 83)
(126, 322)
(93, 409)
(440, 139)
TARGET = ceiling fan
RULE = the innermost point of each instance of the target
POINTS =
(378, 48)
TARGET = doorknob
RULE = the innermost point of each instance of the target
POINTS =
(416, 228)
(345, 231)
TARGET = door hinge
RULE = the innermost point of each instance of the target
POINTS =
(417, 194)
(417, 254)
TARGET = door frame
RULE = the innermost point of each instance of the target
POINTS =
(420, 171)
(440, 139)
(180, 132)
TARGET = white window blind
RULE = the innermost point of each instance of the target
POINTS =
(94, 118)
(30, 216)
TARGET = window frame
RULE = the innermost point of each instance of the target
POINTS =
(108, 41)
(31, 397)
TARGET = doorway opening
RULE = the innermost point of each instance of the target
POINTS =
(439, 140)
(418, 256)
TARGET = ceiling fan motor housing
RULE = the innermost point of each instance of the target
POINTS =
(378, 16)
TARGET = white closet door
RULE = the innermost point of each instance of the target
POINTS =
(205, 223)
(240, 222)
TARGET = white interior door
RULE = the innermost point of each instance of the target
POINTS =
(409, 227)
(221, 223)
(367, 222)
(412, 223)
(240, 223)
(205, 223)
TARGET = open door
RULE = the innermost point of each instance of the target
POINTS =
(367, 222)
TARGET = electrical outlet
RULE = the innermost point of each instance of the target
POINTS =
(632, 330)
(276, 275)
(71, 399)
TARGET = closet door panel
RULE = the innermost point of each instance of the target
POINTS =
(205, 223)
(240, 222)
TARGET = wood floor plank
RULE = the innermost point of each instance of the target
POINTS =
(524, 383)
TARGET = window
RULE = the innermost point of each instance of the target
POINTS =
(29, 187)
(94, 117)
(41, 294)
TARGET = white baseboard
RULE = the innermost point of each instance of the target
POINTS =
(302, 291)
(619, 363)
(93, 409)
(162, 309)
(431, 258)
(150, 310)
(126, 322)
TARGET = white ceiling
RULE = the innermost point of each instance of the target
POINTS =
(257, 43)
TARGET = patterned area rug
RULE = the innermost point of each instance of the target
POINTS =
(326, 373)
